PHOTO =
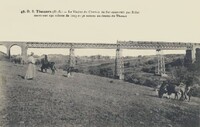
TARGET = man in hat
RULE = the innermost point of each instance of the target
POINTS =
(30, 73)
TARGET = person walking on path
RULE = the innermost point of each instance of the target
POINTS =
(30, 73)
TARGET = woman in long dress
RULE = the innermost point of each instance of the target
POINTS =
(30, 73)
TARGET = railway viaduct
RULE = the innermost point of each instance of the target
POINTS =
(192, 50)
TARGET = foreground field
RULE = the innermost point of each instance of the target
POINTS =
(86, 101)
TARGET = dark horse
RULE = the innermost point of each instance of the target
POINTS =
(47, 65)
(172, 88)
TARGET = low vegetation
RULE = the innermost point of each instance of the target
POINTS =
(86, 101)
(138, 70)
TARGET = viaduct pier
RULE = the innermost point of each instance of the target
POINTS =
(192, 50)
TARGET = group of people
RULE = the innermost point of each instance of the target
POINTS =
(31, 70)
(169, 88)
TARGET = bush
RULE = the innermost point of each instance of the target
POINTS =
(16, 59)
(106, 72)
(94, 70)
(127, 64)
(151, 62)
(150, 83)
(131, 80)
(195, 91)
(146, 70)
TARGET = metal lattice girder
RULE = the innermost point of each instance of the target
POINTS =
(194, 53)
(161, 62)
(156, 45)
(71, 57)
(119, 64)
(75, 45)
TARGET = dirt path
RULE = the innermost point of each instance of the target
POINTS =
(86, 101)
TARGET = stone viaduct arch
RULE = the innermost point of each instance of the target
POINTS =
(22, 45)
(192, 50)
(15, 46)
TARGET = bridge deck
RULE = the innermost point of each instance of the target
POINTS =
(120, 44)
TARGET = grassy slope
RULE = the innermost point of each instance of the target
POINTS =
(86, 100)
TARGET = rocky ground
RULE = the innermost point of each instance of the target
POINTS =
(86, 101)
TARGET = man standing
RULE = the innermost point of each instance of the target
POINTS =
(45, 63)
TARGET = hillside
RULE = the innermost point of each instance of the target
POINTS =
(2, 56)
(86, 101)
(139, 70)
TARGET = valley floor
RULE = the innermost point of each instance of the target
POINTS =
(86, 101)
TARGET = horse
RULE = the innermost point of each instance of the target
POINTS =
(47, 65)
(172, 88)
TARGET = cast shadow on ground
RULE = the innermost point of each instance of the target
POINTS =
(150, 95)
(41, 71)
(21, 76)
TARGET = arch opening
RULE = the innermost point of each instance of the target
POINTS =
(15, 50)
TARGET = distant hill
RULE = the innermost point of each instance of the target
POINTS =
(3, 56)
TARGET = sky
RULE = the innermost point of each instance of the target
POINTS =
(168, 21)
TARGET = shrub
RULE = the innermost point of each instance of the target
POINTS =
(127, 64)
(195, 91)
(146, 69)
(150, 83)
(151, 62)
(106, 72)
